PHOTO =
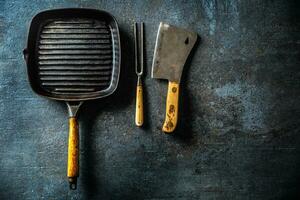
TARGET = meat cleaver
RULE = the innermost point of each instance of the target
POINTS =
(172, 48)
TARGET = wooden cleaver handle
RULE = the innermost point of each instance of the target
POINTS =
(171, 108)
(73, 152)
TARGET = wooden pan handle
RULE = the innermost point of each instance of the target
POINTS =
(73, 153)
(171, 108)
(139, 108)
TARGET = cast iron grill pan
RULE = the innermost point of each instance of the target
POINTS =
(73, 55)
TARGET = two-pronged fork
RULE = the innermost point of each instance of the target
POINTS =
(139, 68)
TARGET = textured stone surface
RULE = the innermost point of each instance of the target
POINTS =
(238, 137)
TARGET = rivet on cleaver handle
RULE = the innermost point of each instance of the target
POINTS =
(172, 48)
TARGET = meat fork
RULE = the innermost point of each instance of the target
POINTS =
(139, 69)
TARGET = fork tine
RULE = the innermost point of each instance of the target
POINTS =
(135, 47)
(142, 49)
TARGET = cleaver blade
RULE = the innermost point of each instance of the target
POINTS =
(172, 48)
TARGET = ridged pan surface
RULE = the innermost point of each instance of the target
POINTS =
(75, 58)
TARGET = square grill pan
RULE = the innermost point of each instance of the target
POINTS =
(73, 54)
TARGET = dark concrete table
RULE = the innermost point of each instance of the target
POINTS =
(238, 137)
